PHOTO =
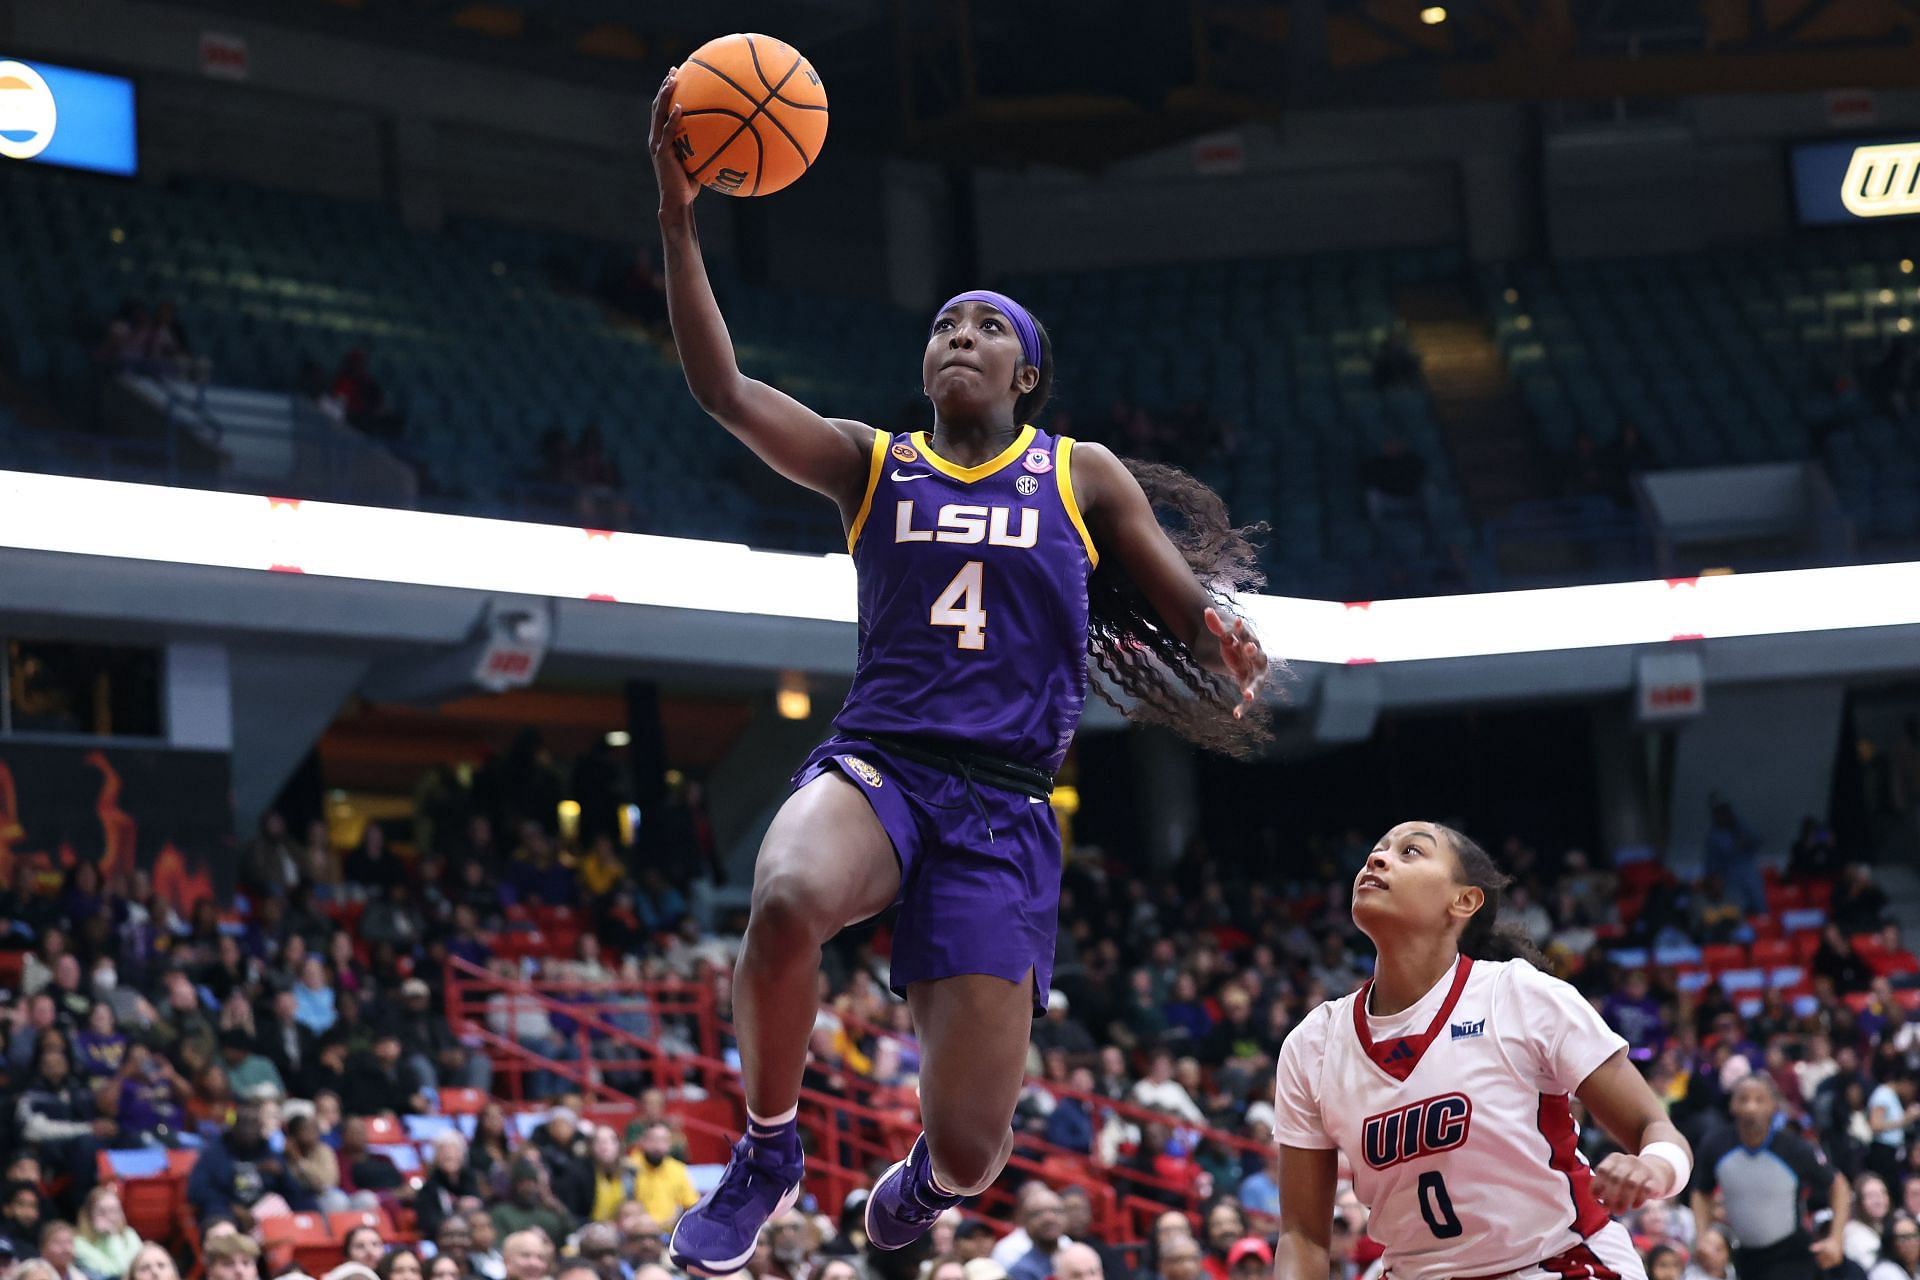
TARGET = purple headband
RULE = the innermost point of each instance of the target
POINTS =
(1023, 324)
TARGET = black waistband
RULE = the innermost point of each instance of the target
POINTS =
(974, 766)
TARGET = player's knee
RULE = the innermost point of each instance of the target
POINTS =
(968, 1159)
(789, 910)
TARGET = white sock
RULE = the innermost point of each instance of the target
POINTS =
(786, 1117)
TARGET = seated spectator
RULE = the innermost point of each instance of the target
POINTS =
(1160, 1091)
(661, 1182)
(1043, 1217)
(530, 1205)
(364, 1247)
(233, 1256)
(1836, 961)
(491, 1151)
(1226, 1226)
(1179, 1259)
(401, 1264)
(249, 1074)
(1868, 1222)
(1059, 1029)
(1077, 1208)
(317, 1169)
(642, 1242)
(450, 1181)
(1899, 1256)
(1714, 915)
(1259, 1195)
(314, 999)
(1712, 1256)
(567, 1157)
(56, 1114)
(362, 1169)
(1635, 1013)
(56, 1250)
(105, 1246)
(1860, 904)
(100, 1048)
(529, 1255)
(1395, 481)
(1815, 854)
(483, 1257)
(613, 1176)
(377, 1084)
(240, 1178)
(153, 1262)
(1250, 1258)
(1665, 1262)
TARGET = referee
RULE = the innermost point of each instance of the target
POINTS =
(1770, 1179)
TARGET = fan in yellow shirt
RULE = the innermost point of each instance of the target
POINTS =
(660, 1182)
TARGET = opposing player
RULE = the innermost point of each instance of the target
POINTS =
(976, 545)
(1445, 1082)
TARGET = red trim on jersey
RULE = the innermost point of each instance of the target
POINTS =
(1563, 1137)
(1399, 1056)
(1577, 1263)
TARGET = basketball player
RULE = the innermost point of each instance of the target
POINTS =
(1444, 1081)
(976, 545)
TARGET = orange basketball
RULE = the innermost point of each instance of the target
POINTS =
(753, 114)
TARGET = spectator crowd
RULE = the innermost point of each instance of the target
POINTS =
(297, 1040)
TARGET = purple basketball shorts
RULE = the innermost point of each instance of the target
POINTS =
(979, 868)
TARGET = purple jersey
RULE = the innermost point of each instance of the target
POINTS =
(973, 599)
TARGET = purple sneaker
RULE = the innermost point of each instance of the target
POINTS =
(904, 1204)
(716, 1237)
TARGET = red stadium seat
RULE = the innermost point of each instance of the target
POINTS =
(1887, 964)
(344, 1221)
(1858, 1000)
(462, 1102)
(1785, 897)
(384, 1131)
(1725, 955)
(1820, 894)
(1804, 945)
(1638, 877)
(153, 1205)
(1765, 927)
(1867, 944)
(1768, 952)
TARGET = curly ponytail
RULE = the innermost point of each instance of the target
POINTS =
(1485, 938)
(1136, 665)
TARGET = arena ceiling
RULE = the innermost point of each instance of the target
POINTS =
(1086, 81)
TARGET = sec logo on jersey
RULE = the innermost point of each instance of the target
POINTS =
(904, 452)
(864, 771)
(1026, 486)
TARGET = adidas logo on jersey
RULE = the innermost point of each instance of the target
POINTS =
(1401, 1051)
(1468, 1030)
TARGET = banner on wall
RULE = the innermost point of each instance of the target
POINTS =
(122, 809)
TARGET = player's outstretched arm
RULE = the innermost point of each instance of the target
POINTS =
(1307, 1178)
(1122, 522)
(1627, 1109)
(828, 455)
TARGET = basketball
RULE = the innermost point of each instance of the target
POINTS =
(753, 114)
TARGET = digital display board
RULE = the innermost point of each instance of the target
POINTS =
(1853, 181)
(63, 116)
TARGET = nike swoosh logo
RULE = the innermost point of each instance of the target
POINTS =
(918, 475)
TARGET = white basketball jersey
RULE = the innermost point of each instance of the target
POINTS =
(1454, 1116)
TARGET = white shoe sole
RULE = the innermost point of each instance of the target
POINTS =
(703, 1267)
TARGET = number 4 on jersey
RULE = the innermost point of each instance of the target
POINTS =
(959, 606)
